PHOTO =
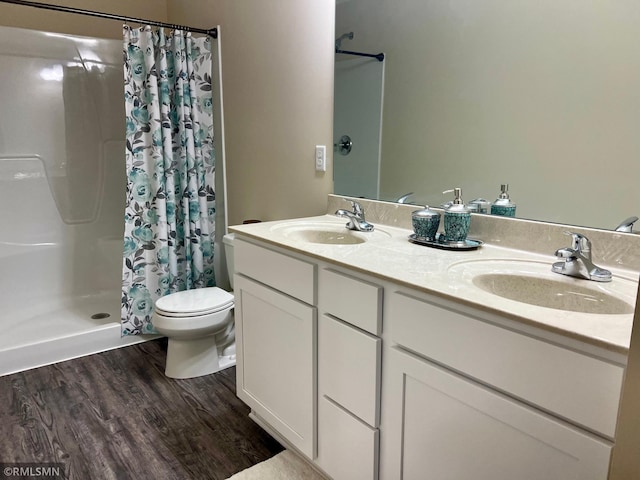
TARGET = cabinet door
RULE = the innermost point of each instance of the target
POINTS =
(276, 360)
(439, 425)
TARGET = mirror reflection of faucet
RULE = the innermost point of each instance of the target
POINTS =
(356, 218)
(576, 261)
(404, 198)
(479, 205)
(626, 226)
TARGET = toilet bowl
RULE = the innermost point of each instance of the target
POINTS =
(200, 327)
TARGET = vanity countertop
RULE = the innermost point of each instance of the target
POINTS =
(390, 256)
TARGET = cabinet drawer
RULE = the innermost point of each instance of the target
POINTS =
(349, 368)
(577, 387)
(352, 300)
(347, 448)
(282, 272)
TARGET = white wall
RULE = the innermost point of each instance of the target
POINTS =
(542, 95)
(277, 60)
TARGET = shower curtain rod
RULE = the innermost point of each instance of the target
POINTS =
(378, 56)
(213, 32)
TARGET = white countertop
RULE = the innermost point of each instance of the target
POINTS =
(390, 256)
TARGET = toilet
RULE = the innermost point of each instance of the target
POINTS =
(200, 327)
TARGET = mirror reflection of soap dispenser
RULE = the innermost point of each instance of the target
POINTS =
(457, 218)
(503, 205)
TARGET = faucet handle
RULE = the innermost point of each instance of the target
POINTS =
(566, 253)
(357, 209)
(580, 242)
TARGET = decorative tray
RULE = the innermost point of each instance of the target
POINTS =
(440, 242)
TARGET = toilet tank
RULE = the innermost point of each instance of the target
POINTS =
(227, 240)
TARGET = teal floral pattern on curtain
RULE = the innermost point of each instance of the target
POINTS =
(170, 205)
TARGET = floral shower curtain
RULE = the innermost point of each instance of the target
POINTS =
(169, 215)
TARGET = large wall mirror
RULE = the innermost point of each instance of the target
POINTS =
(543, 95)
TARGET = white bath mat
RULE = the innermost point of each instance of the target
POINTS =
(284, 466)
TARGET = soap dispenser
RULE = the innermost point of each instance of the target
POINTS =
(457, 218)
(503, 205)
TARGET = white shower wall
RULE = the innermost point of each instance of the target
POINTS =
(62, 184)
(357, 112)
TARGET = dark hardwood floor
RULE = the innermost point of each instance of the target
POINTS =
(115, 415)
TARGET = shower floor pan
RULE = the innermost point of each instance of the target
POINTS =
(61, 329)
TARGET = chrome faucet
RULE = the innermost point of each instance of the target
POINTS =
(356, 218)
(404, 198)
(576, 261)
(626, 226)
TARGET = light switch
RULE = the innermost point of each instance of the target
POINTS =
(321, 158)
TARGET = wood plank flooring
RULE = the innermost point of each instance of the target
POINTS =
(115, 415)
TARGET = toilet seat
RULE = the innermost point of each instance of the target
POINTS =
(194, 303)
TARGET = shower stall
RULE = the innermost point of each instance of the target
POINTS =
(62, 188)
(357, 121)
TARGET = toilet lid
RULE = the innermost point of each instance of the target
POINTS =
(199, 301)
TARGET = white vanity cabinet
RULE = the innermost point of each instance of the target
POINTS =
(464, 398)
(275, 340)
(371, 379)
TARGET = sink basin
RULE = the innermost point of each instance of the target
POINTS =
(326, 233)
(548, 293)
(533, 283)
(325, 236)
